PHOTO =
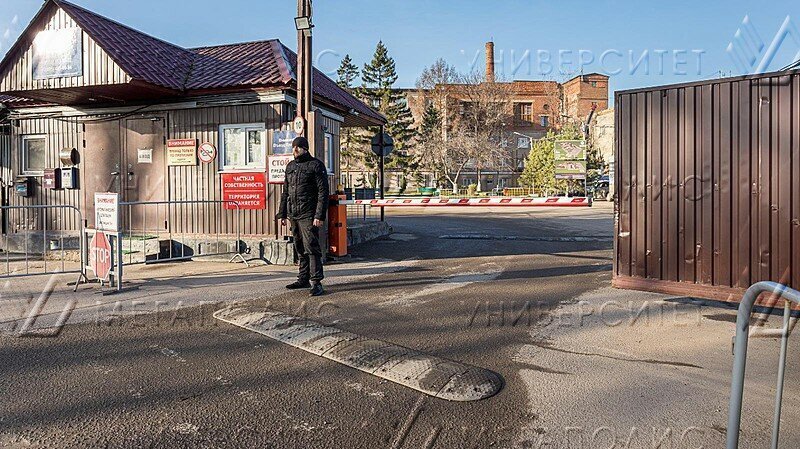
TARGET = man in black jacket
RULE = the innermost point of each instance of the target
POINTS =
(305, 203)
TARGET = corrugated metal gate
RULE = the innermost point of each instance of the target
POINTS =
(709, 186)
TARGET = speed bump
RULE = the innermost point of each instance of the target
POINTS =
(434, 376)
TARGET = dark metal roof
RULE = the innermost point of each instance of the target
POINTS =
(141, 56)
(247, 65)
(262, 63)
(793, 66)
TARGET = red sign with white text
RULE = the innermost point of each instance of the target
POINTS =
(248, 190)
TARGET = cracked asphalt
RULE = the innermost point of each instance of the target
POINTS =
(177, 377)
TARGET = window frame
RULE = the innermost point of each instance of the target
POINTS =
(327, 148)
(523, 115)
(23, 162)
(246, 127)
(544, 121)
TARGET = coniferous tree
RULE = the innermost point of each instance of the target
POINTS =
(347, 74)
(377, 89)
(429, 136)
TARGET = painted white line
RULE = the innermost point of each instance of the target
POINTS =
(408, 298)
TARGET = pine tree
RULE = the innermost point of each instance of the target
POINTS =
(377, 89)
(539, 172)
(351, 143)
(429, 135)
(347, 74)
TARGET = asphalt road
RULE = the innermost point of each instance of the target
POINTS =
(179, 378)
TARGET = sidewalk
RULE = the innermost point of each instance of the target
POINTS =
(634, 369)
(160, 287)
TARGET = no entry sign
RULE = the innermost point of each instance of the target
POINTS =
(100, 255)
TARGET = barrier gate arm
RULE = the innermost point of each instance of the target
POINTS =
(740, 357)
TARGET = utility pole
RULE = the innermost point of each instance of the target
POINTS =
(381, 169)
(305, 86)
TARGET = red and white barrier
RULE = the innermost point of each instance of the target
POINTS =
(556, 201)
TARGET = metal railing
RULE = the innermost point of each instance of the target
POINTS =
(362, 212)
(740, 357)
(168, 231)
(39, 244)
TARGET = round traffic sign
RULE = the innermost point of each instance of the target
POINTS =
(207, 152)
(100, 255)
(388, 144)
(299, 125)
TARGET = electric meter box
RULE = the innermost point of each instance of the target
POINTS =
(23, 186)
(69, 178)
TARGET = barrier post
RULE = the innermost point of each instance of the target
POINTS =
(740, 357)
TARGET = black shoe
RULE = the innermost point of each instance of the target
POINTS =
(298, 285)
(316, 290)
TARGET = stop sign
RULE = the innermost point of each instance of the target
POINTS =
(100, 255)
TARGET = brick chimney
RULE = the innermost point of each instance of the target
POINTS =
(490, 62)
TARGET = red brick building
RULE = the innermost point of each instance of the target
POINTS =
(537, 106)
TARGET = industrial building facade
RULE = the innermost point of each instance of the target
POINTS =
(153, 122)
(708, 182)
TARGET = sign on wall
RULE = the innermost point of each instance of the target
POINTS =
(181, 152)
(282, 142)
(207, 152)
(248, 190)
(277, 168)
(569, 150)
(106, 212)
(57, 54)
(144, 155)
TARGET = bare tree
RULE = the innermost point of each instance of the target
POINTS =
(486, 107)
(471, 116)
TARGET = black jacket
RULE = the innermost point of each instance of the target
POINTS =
(305, 190)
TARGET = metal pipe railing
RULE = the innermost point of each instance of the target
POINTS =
(44, 210)
(740, 357)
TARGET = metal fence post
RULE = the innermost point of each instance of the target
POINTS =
(740, 356)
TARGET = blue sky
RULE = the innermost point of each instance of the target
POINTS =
(640, 43)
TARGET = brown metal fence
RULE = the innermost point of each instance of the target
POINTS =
(709, 185)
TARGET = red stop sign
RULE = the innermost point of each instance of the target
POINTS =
(100, 255)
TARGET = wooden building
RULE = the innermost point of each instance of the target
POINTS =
(708, 182)
(121, 98)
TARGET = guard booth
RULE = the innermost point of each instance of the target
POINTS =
(190, 132)
(708, 175)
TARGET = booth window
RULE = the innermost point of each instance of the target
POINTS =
(243, 146)
(329, 152)
(34, 155)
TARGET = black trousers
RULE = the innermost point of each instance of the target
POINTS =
(306, 244)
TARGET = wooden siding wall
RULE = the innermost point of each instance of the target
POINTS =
(202, 182)
(61, 133)
(98, 68)
(709, 186)
(186, 183)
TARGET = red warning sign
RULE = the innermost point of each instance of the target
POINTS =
(248, 190)
(100, 255)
